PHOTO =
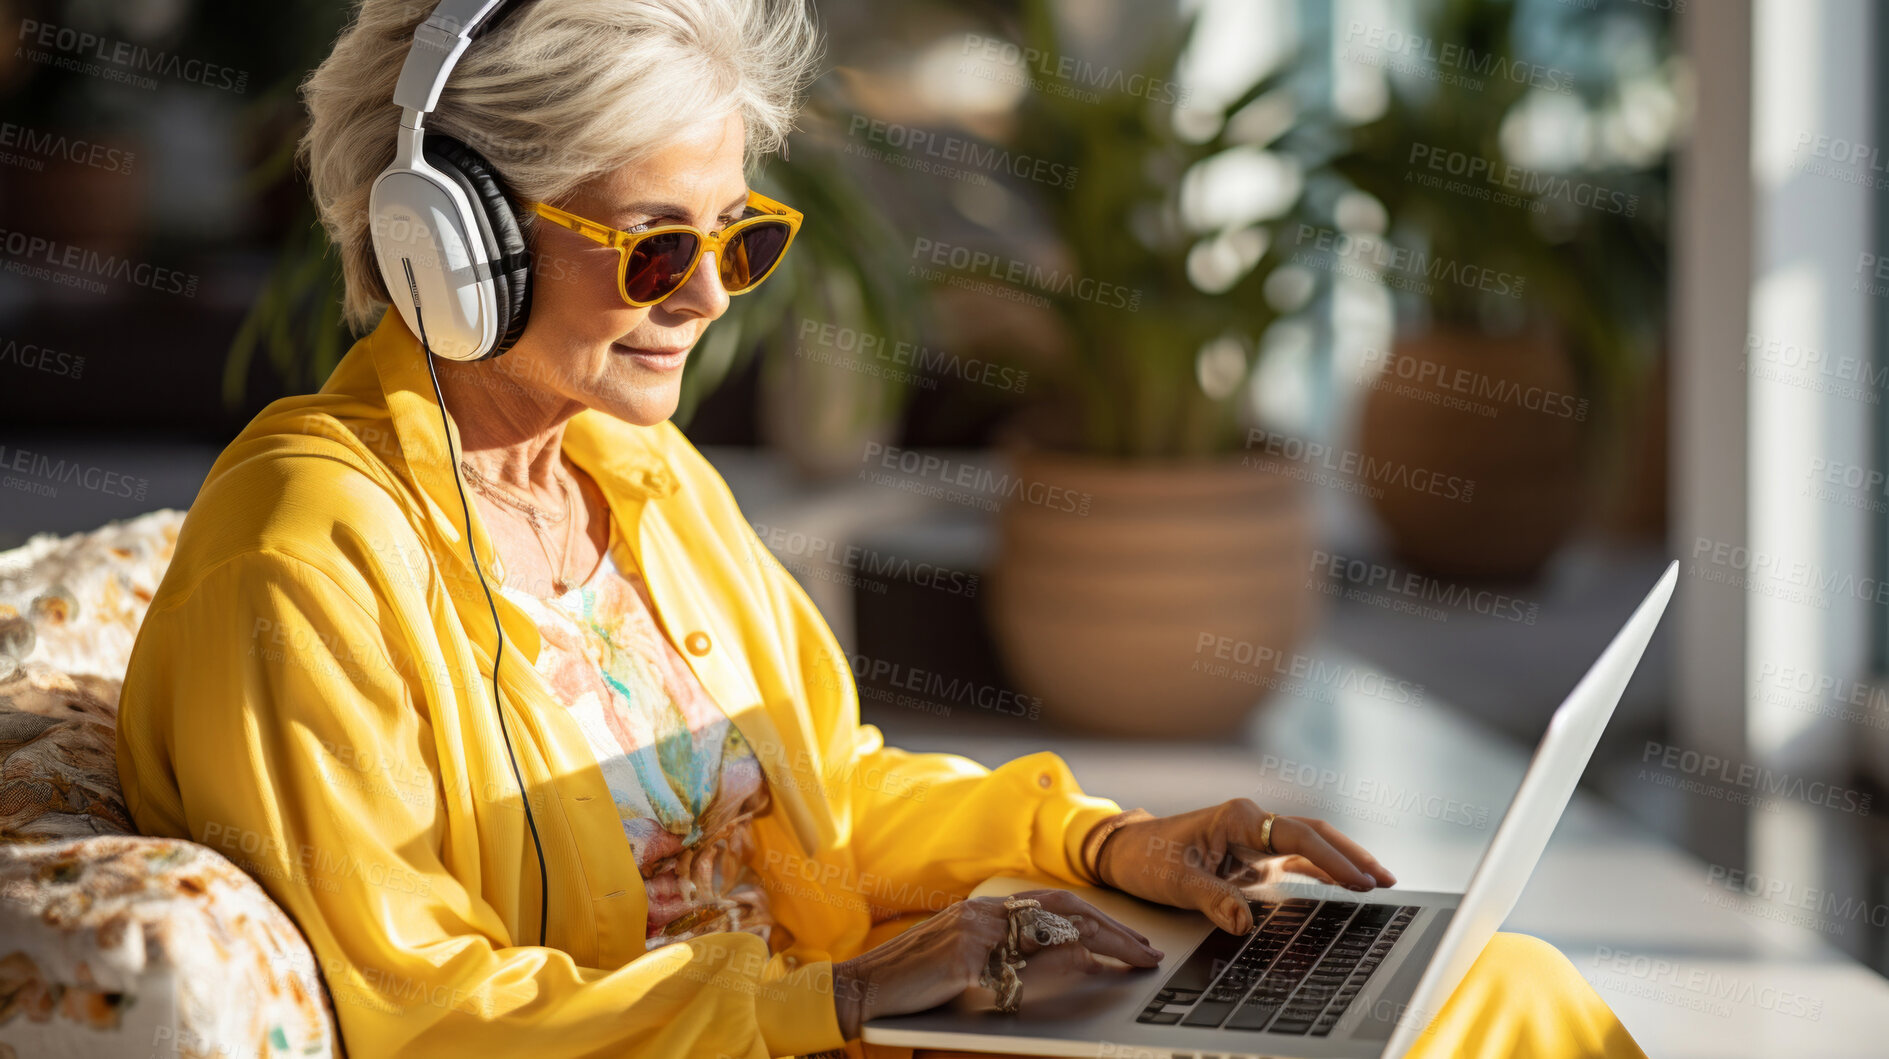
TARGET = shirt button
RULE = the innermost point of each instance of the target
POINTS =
(1043, 780)
(697, 643)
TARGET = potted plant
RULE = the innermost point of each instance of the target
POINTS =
(1165, 600)
(1530, 292)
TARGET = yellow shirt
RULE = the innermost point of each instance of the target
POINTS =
(310, 695)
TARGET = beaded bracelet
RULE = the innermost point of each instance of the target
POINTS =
(1099, 835)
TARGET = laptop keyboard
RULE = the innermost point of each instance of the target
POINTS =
(1295, 972)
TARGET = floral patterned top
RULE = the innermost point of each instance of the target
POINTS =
(685, 782)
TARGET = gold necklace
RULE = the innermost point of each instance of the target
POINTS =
(490, 488)
(535, 517)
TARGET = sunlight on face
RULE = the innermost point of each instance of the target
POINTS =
(582, 343)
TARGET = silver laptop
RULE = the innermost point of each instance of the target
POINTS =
(1324, 971)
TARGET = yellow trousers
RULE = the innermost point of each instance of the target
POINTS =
(1521, 999)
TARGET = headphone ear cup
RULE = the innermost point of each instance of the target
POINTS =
(499, 226)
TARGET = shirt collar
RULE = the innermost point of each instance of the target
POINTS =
(387, 368)
(625, 459)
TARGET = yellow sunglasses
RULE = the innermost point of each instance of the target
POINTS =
(656, 262)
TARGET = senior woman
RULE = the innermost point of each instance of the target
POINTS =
(669, 835)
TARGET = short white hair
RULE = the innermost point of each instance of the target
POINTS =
(561, 92)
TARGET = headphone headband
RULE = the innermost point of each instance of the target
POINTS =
(437, 44)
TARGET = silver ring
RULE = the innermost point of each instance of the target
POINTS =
(1002, 970)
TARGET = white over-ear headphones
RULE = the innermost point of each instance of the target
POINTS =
(441, 209)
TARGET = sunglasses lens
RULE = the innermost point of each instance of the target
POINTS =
(753, 252)
(654, 267)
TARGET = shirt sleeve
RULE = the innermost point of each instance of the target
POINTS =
(270, 715)
(930, 822)
(942, 822)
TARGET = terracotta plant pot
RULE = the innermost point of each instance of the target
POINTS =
(1472, 450)
(1151, 600)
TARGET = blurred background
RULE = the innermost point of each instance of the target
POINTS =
(1270, 398)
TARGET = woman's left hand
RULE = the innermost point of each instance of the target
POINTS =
(1177, 860)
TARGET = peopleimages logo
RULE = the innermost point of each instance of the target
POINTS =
(1299, 458)
(33, 357)
(1807, 367)
(40, 474)
(1512, 185)
(967, 263)
(1472, 387)
(1826, 907)
(847, 887)
(958, 149)
(939, 687)
(1364, 573)
(1757, 779)
(1216, 655)
(1376, 792)
(963, 482)
(812, 552)
(26, 248)
(921, 359)
(1840, 159)
(1427, 56)
(1078, 73)
(1862, 702)
(1700, 989)
(43, 144)
(123, 60)
(1781, 576)
(1368, 257)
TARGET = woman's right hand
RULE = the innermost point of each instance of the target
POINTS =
(943, 956)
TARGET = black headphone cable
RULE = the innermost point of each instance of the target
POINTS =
(544, 886)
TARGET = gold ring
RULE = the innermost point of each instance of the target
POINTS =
(1265, 834)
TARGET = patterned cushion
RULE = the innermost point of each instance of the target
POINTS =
(58, 775)
(113, 944)
(85, 594)
(121, 945)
